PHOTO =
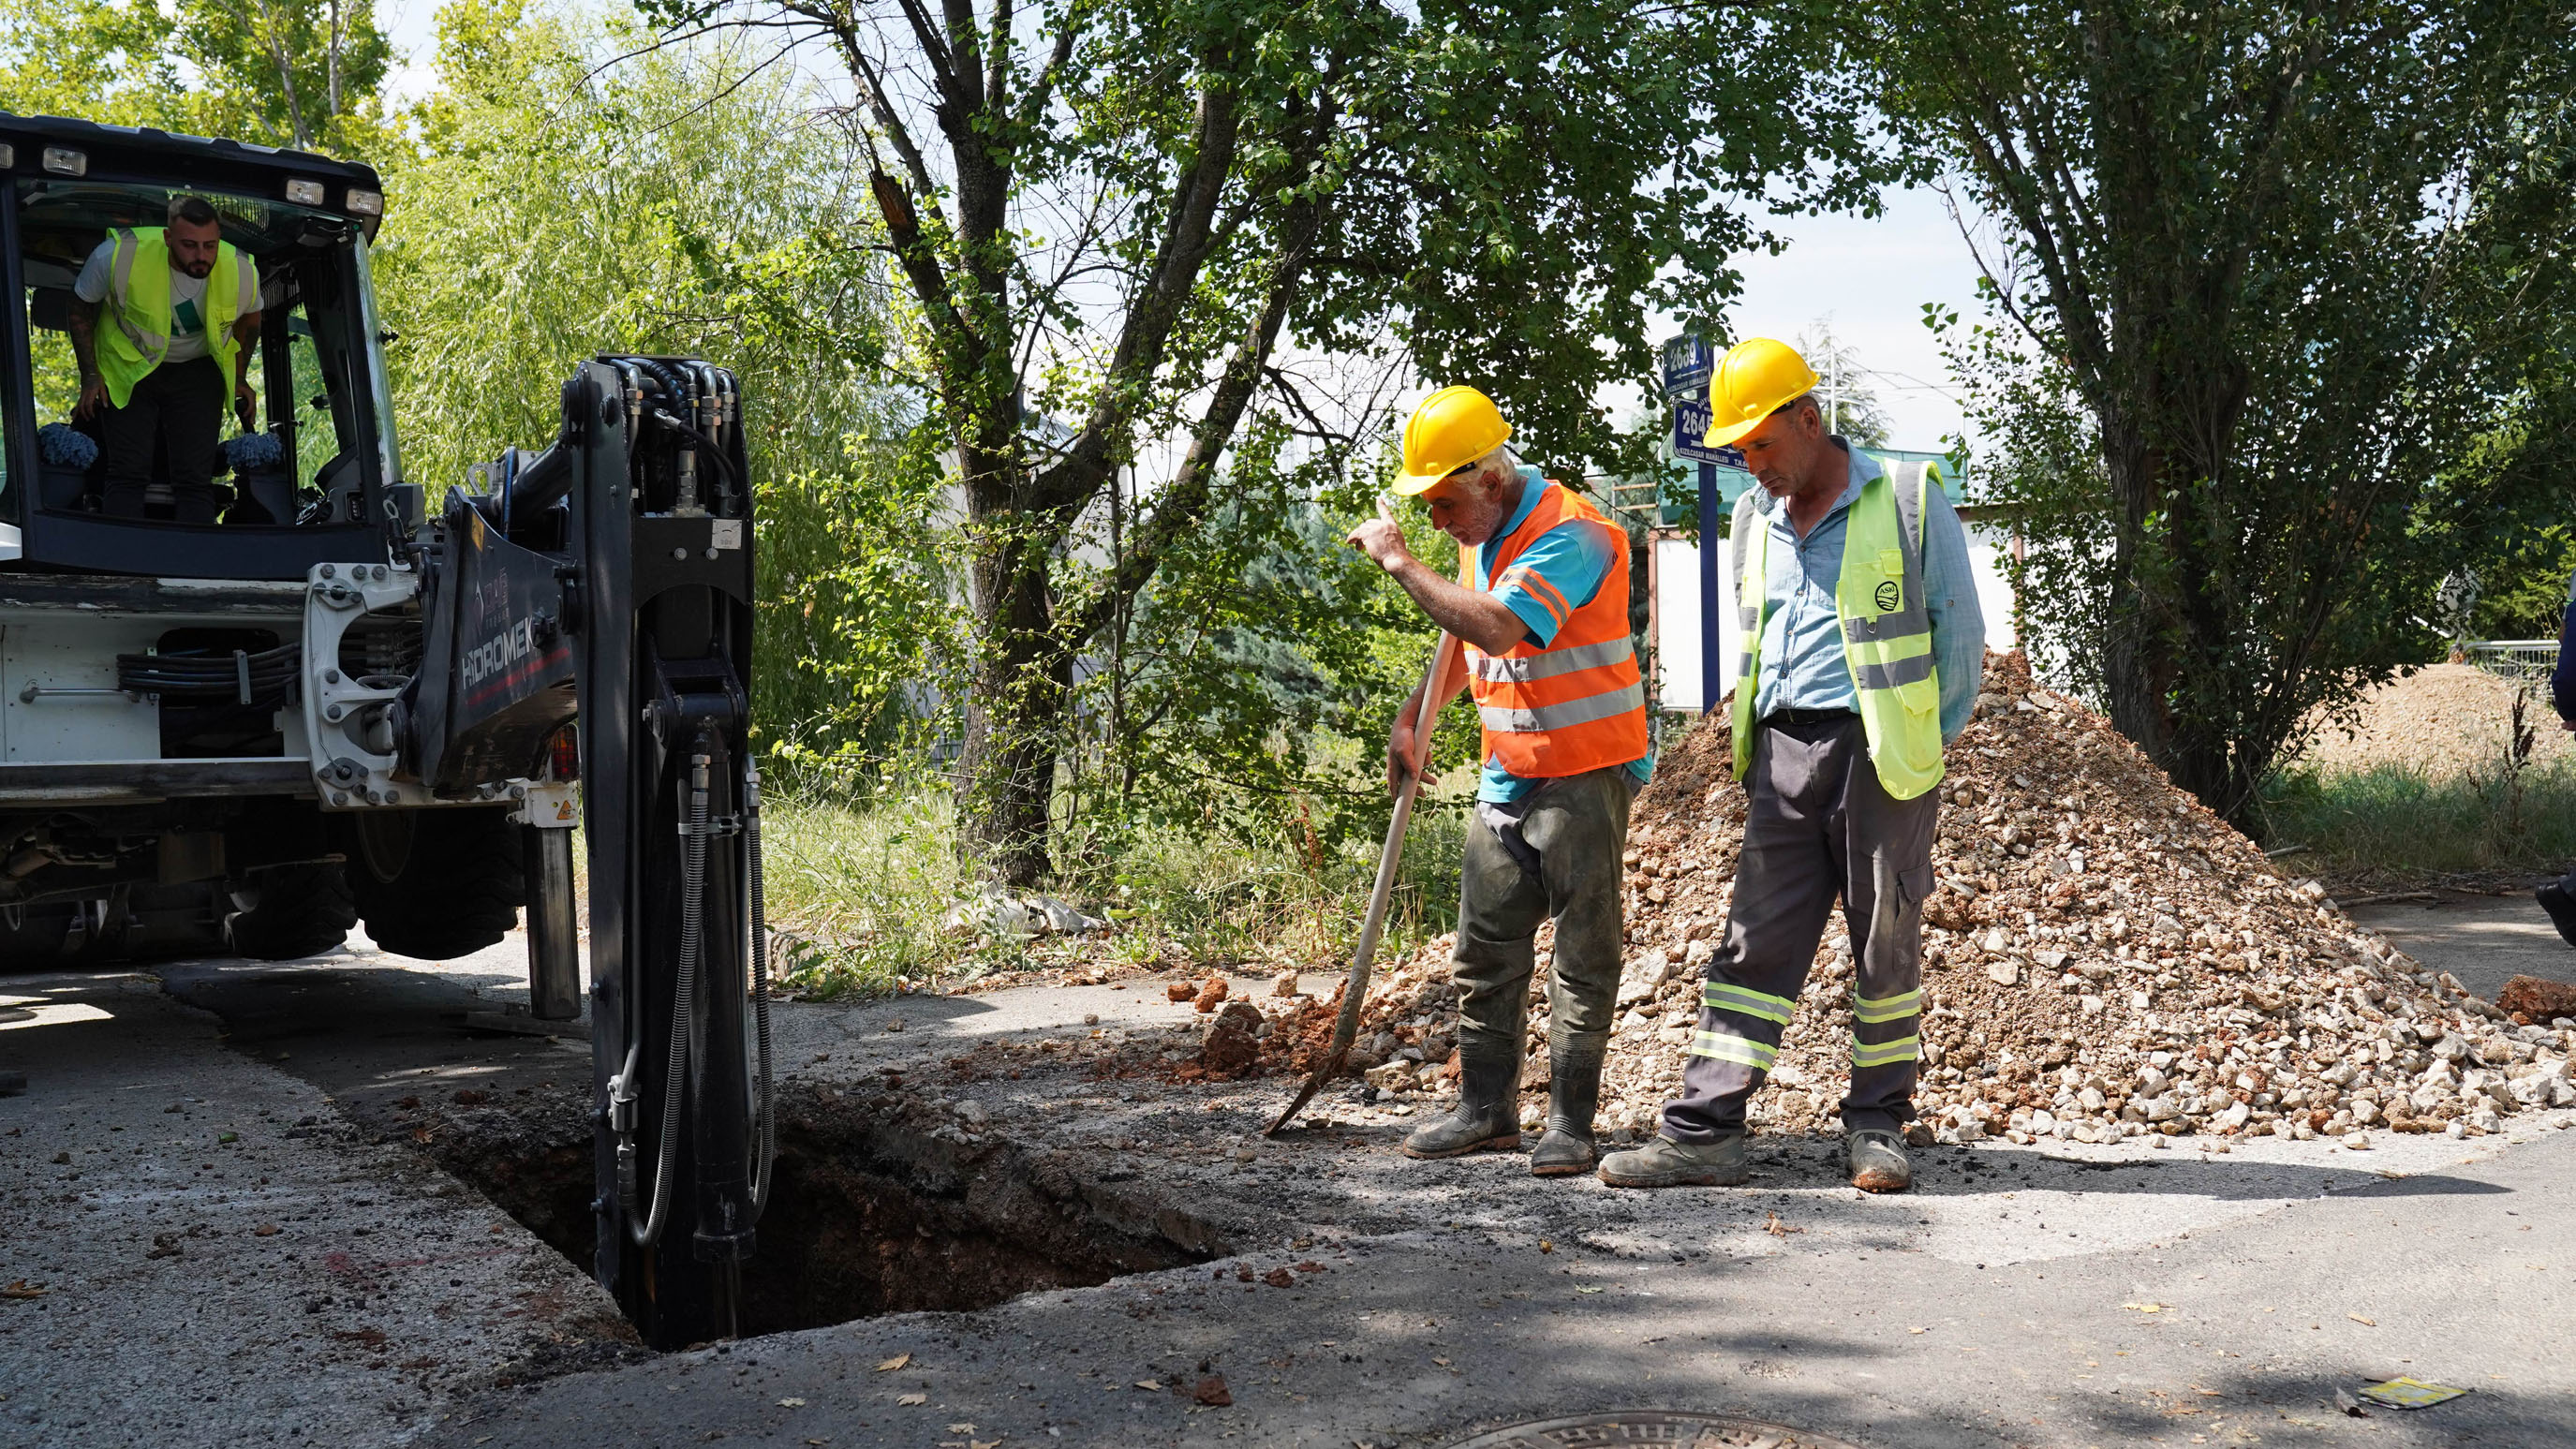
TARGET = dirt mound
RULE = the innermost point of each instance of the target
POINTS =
(2103, 958)
(2444, 719)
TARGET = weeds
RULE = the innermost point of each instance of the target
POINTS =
(865, 897)
(2402, 820)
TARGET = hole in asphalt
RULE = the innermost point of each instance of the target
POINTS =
(867, 1216)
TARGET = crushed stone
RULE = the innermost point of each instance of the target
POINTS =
(2103, 958)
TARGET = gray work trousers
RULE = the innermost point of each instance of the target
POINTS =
(1573, 831)
(1820, 826)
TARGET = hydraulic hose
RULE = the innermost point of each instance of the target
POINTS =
(759, 917)
(714, 450)
(693, 856)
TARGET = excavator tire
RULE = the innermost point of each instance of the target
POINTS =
(437, 884)
(292, 911)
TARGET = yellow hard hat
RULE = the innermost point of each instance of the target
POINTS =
(1750, 383)
(1453, 428)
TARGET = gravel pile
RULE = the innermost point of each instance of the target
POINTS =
(2104, 958)
(2442, 720)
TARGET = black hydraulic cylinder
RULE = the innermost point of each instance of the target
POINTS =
(721, 1085)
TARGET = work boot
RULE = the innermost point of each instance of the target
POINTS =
(1573, 1095)
(1487, 1115)
(2561, 907)
(1666, 1163)
(1876, 1156)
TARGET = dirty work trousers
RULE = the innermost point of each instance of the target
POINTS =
(177, 407)
(1563, 864)
(1820, 827)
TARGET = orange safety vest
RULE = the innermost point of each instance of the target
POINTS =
(1577, 705)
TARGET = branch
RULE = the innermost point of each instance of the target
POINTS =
(929, 284)
(880, 102)
(1185, 500)
(1139, 351)
(1042, 91)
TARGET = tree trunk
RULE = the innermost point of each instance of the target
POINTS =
(1014, 706)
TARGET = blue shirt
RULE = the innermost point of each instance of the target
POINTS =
(1558, 573)
(1802, 664)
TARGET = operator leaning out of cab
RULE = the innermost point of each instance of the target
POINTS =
(162, 323)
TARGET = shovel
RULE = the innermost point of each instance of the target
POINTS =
(1364, 955)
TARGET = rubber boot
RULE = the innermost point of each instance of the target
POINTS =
(1487, 1115)
(1573, 1095)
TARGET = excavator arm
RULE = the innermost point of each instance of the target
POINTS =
(606, 582)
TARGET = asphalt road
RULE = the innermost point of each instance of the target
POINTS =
(2007, 1302)
(206, 1250)
(2483, 940)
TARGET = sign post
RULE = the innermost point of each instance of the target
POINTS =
(1687, 363)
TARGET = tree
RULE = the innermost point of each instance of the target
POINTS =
(1125, 214)
(2276, 289)
(302, 73)
(92, 60)
(678, 203)
(1851, 399)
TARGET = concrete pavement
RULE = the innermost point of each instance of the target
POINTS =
(1848, 1325)
(207, 1251)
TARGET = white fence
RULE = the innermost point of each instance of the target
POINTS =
(2516, 658)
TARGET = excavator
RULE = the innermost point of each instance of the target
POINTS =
(356, 696)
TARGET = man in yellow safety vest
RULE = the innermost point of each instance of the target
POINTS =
(1863, 649)
(181, 308)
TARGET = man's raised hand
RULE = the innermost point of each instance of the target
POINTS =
(1382, 541)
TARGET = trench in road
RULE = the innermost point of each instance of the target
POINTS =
(867, 1214)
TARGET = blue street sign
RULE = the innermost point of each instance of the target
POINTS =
(1687, 361)
(1690, 425)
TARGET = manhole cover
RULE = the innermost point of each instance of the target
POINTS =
(1651, 1426)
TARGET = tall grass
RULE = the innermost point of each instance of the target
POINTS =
(2401, 820)
(867, 897)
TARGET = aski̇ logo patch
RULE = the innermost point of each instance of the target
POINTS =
(1889, 596)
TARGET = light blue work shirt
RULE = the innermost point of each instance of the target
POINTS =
(1802, 663)
(1570, 561)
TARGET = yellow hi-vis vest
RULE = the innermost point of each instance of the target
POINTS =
(1887, 635)
(138, 302)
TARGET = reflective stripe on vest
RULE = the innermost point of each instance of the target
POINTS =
(1578, 705)
(138, 301)
(1887, 634)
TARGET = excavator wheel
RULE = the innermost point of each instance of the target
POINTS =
(437, 884)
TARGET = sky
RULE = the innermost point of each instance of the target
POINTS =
(412, 26)
(1867, 279)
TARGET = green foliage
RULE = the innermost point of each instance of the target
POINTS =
(867, 896)
(2522, 591)
(2279, 311)
(1126, 215)
(679, 203)
(91, 59)
(300, 73)
(2392, 821)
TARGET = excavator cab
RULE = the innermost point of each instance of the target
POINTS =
(317, 476)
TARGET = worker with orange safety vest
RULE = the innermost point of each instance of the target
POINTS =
(1541, 607)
